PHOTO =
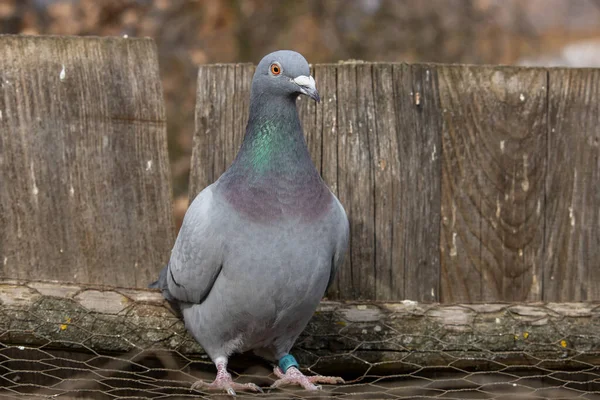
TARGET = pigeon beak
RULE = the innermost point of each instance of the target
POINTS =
(307, 86)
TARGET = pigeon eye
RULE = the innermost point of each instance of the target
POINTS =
(275, 69)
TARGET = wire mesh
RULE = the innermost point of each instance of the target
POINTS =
(67, 341)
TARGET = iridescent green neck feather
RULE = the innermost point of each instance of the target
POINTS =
(274, 143)
(273, 176)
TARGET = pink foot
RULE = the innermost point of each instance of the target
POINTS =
(294, 377)
(224, 382)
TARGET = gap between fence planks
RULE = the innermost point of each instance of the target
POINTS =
(348, 338)
(462, 183)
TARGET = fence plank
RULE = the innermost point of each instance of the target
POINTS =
(355, 185)
(214, 136)
(572, 254)
(494, 148)
(241, 106)
(326, 124)
(86, 193)
(420, 144)
(389, 267)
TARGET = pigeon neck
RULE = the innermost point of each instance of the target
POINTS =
(273, 176)
(274, 143)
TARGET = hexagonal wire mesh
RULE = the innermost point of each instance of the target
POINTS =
(68, 341)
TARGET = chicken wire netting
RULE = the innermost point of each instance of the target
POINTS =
(69, 341)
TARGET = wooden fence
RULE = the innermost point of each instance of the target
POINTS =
(462, 183)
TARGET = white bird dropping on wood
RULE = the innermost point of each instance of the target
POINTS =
(63, 73)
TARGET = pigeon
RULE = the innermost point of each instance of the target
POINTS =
(259, 247)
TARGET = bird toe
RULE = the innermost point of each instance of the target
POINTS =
(293, 376)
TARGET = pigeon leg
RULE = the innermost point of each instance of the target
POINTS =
(293, 376)
(224, 382)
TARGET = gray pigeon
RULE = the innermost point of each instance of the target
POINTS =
(259, 247)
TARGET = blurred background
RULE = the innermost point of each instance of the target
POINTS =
(189, 33)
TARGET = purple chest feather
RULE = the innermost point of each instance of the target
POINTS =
(279, 197)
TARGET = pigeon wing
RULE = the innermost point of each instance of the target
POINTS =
(342, 233)
(197, 257)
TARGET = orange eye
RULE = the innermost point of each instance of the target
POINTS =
(275, 69)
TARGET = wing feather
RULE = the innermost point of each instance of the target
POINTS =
(197, 257)
(341, 241)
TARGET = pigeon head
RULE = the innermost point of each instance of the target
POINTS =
(284, 73)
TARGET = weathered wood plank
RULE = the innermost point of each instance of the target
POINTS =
(226, 148)
(342, 338)
(572, 229)
(389, 263)
(420, 145)
(355, 178)
(241, 98)
(461, 277)
(364, 188)
(326, 124)
(214, 146)
(85, 184)
(494, 151)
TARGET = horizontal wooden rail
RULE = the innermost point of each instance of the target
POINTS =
(348, 338)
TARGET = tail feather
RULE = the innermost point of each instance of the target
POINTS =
(161, 283)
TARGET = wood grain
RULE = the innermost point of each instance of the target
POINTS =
(389, 263)
(419, 142)
(241, 105)
(355, 177)
(572, 253)
(85, 183)
(494, 160)
(326, 124)
(213, 138)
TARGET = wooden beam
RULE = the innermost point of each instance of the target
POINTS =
(348, 338)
